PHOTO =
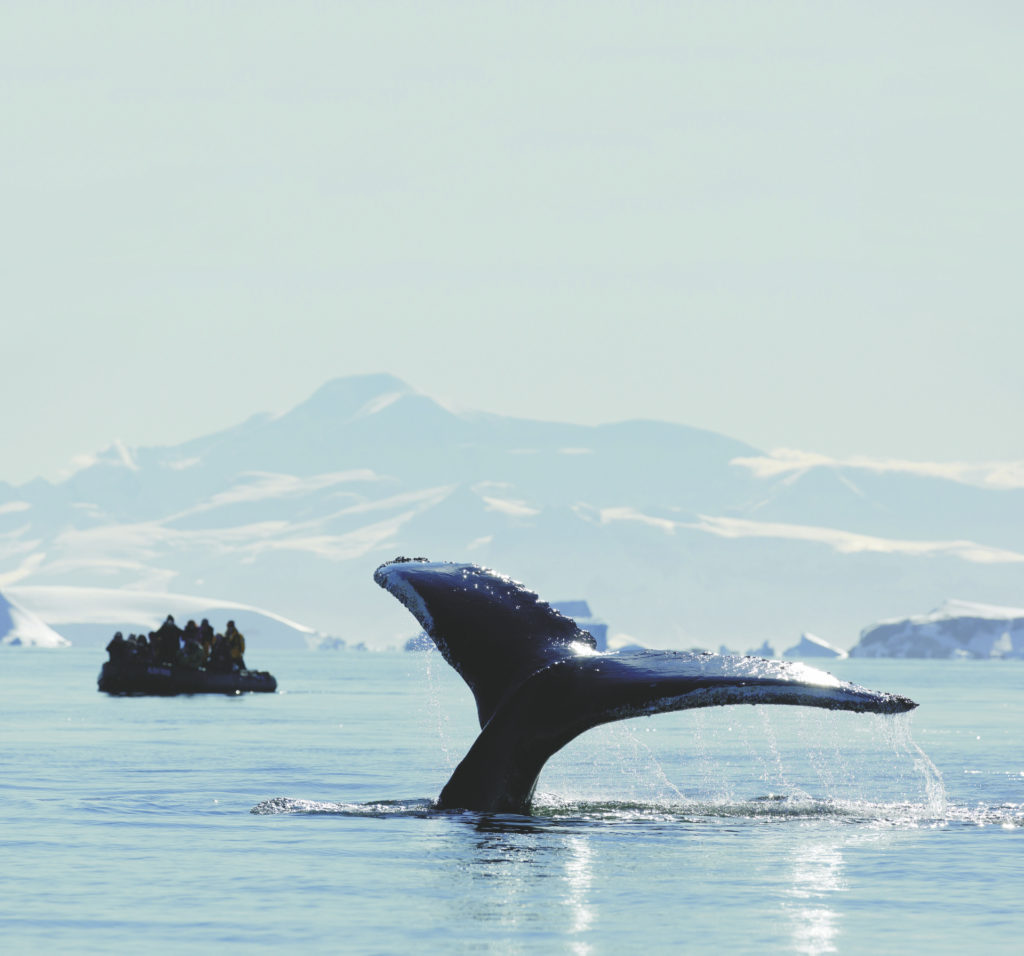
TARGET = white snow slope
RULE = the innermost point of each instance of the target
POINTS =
(92, 615)
(21, 628)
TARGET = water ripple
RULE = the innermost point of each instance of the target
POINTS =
(769, 808)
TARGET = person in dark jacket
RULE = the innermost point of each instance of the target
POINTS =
(117, 648)
(220, 654)
(206, 640)
(192, 650)
(168, 640)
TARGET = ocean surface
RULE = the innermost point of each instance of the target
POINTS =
(302, 820)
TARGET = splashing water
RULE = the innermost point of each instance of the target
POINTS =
(898, 734)
(753, 764)
(733, 755)
(443, 688)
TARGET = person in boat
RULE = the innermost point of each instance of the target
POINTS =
(236, 646)
(192, 651)
(138, 648)
(168, 641)
(118, 647)
(206, 640)
(220, 654)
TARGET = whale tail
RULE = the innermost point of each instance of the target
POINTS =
(539, 681)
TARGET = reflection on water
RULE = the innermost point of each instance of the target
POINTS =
(815, 876)
(579, 876)
(503, 868)
(498, 874)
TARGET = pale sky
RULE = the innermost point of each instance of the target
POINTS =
(798, 224)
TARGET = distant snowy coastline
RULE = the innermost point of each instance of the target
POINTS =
(957, 629)
(56, 616)
(90, 616)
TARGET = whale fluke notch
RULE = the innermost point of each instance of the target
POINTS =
(539, 681)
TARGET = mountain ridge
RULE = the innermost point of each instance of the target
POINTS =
(662, 526)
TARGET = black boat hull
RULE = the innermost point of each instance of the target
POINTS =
(166, 680)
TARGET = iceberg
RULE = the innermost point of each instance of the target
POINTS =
(810, 645)
(21, 628)
(956, 629)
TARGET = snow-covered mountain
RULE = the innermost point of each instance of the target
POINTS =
(682, 536)
(956, 629)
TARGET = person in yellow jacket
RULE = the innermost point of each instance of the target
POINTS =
(236, 645)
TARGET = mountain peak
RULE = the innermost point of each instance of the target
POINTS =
(359, 388)
(352, 396)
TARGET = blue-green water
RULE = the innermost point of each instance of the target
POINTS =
(127, 823)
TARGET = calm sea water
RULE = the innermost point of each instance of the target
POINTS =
(302, 819)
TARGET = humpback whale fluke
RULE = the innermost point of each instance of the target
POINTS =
(539, 681)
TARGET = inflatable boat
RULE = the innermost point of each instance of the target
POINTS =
(140, 677)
